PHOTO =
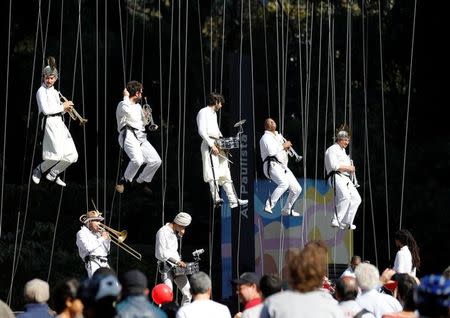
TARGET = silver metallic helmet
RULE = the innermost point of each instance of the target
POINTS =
(343, 132)
(50, 69)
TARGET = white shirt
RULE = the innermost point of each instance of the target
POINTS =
(207, 125)
(129, 114)
(378, 303)
(48, 100)
(253, 312)
(271, 144)
(403, 262)
(91, 244)
(204, 309)
(166, 245)
(335, 156)
(351, 308)
(349, 272)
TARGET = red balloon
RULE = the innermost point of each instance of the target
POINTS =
(162, 294)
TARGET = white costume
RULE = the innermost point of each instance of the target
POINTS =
(346, 198)
(166, 249)
(58, 148)
(216, 173)
(275, 165)
(133, 139)
(205, 308)
(403, 262)
(93, 249)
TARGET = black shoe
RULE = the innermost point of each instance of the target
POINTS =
(144, 187)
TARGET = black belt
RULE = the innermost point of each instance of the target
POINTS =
(270, 159)
(94, 258)
(44, 122)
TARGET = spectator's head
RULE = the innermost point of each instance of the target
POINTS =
(64, 298)
(308, 267)
(36, 291)
(367, 276)
(446, 273)
(405, 291)
(200, 284)
(104, 271)
(404, 238)
(355, 261)
(134, 282)
(270, 284)
(99, 294)
(247, 287)
(170, 309)
(346, 289)
(432, 296)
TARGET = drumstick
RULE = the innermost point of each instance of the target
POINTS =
(224, 157)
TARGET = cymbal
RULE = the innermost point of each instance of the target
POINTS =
(240, 123)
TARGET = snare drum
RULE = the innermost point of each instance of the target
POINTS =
(228, 143)
(191, 268)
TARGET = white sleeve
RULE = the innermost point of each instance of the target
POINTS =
(162, 248)
(88, 243)
(332, 159)
(180, 313)
(202, 122)
(401, 263)
(47, 104)
(271, 146)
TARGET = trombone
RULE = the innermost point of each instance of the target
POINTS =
(117, 237)
(73, 112)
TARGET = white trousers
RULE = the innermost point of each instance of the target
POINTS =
(285, 180)
(217, 174)
(347, 199)
(182, 283)
(92, 266)
(58, 148)
(140, 152)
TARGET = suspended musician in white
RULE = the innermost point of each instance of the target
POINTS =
(216, 170)
(274, 154)
(58, 148)
(341, 177)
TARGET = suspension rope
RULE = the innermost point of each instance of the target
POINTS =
(384, 131)
(266, 60)
(366, 133)
(407, 112)
(132, 38)
(201, 51)
(161, 102)
(5, 116)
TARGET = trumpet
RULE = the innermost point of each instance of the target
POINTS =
(353, 177)
(73, 113)
(292, 153)
(148, 117)
(117, 237)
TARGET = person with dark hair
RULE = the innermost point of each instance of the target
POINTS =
(202, 306)
(99, 295)
(36, 293)
(93, 243)
(134, 302)
(350, 271)
(58, 148)
(346, 291)
(405, 295)
(432, 297)
(407, 259)
(247, 289)
(65, 301)
(216, 170)
(274, 154)
(133, 140)
(341, 177)
(170, 308)
(306, 271)
(269, 284)
(166, 252)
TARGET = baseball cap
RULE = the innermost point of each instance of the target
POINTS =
(247, 278)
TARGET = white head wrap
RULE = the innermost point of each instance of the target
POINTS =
(182, 219)
(91, 216)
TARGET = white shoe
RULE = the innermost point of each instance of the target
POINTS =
(239, 202)
(335, 223)
(268, 207)
(37, 174)
(351, 227)
(59, 182)
(218, 202)
(286, 212)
